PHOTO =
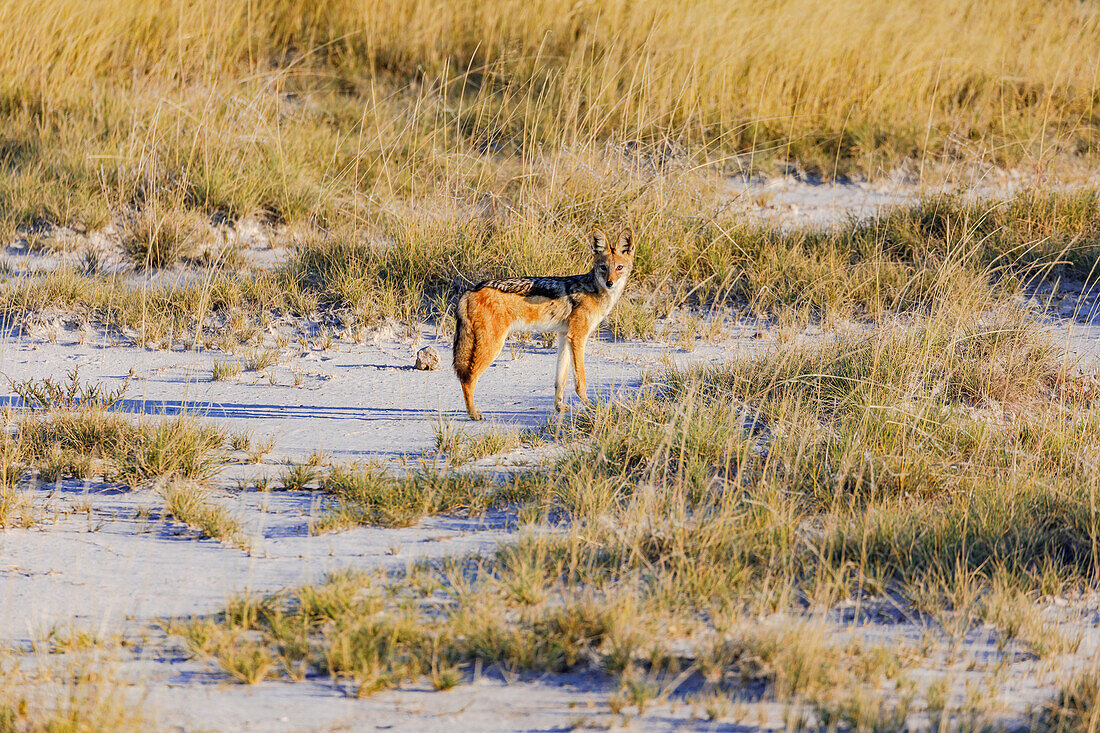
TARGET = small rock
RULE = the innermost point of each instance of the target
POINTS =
(427, 359)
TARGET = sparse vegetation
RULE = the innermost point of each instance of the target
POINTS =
(460, 447)
(46, 393)
(260, 448)
(942, 250)
(876, 464)
(224, 369)
(632, 319)
(86, 696)
(190, 504)
(1076, 709)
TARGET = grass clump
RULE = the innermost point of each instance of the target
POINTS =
(16, 509)
(371, 495)
(89, 441)
(62, 463)
(224, 369)
(260, 448)
(261, 360)
(190, 504)
(238, 653)
(298, 476)
(157, 236)
(176, 447)
(461, 447)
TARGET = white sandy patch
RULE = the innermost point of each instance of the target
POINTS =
(793, 203)
(355, 401)
(106, 555)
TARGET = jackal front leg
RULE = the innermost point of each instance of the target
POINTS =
(576, 344)
(564, 351)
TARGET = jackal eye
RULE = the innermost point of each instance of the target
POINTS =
(620, 267)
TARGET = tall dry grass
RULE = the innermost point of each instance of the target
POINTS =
(565, 70)
(327, 109)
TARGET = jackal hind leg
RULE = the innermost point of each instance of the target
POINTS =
(487, 347)
(468, 395)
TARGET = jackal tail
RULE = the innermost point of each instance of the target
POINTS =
(464, 339)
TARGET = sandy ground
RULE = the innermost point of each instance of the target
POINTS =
(792, 202)
(100, 559)
(107, 560)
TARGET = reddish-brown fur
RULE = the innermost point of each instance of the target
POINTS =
(572, 306)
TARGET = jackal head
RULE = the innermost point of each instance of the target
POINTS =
(613, 262)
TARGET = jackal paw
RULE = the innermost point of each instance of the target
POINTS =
(560, 407)
(475, 415)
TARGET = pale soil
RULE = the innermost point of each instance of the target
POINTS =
(794, 203)
(107, 560)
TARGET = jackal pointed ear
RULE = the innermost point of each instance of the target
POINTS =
(626, 243)
(599, 243)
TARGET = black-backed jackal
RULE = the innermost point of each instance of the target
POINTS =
(571, 306)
